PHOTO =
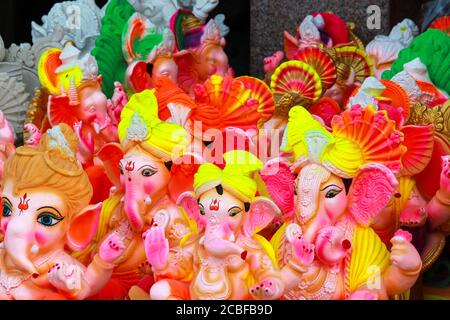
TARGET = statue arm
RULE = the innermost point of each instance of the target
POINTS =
(269, 281)
(179, 265)
(95, 278)
(438, 209)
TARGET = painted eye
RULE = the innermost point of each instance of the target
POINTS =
(48, 219)
(202, 209)
(6, 211)
(148, 172)
(332, 193)
(234, 212)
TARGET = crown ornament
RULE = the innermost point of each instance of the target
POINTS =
(137, 131)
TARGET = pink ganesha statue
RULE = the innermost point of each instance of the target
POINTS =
(144, 169)
(45, 197)
(422, 208)
(203, 46)
(329, 195)
(225, 259)
(76, 99)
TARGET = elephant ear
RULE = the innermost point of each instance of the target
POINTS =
(111, 154)
(59, 111)
(280, 183)
(261, 214)
(290, 45)
(187, 75)
(419, 141)
(370, 192)
(137, 76)
(189, 202)
(83, 227)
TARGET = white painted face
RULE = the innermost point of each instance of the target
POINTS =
(222, 211)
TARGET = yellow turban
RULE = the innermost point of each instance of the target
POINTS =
(360, 136)
(141, 125)
(236, 178)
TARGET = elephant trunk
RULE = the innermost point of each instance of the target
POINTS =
(310, 179)
(18, 243)
(220, 241)
(134, 208)
(331, 245)
(101, 122)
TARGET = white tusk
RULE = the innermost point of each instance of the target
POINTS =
(96, 127)
(34, 249)
(2, 245)
(148, 201)
(232, 237)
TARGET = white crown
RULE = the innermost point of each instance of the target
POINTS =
(57, 140)
(137, 131)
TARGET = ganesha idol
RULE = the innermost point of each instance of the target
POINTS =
(147, 53)
(423, 207)
(320, 29)
(73, 95)
(203, 46)
(46, 211)
(424, 64)
(415, 80)
(145, 171)
(225, 259)
(319, 79)
(335, 186)
(322, 36)
(383, 50)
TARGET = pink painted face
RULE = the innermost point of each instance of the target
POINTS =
(213, 60)
(165, 67)
(327, 208)
(222, 211)
(416, 199)
(93, 108)
(145, 181)
(37, 216)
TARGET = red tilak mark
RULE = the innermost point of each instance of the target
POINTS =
(215, 205)
(130, 166)
(23, 205)
(346, 244)
(244, 255)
